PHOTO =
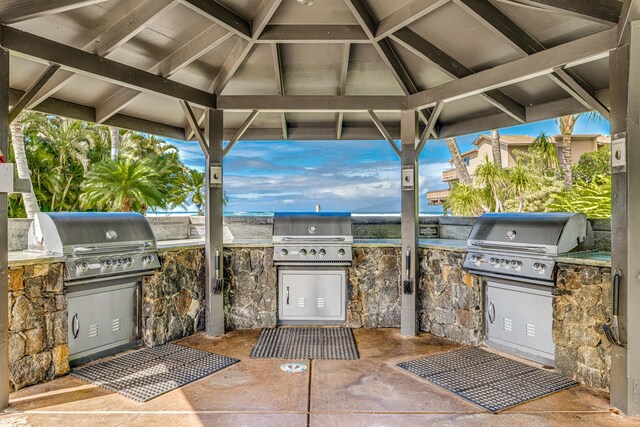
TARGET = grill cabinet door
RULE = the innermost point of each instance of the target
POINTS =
(312, 294)
(520, 317)
(101, 317)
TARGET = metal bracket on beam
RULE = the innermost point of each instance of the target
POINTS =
(385, 133)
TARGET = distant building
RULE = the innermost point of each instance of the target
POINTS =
(580, 144)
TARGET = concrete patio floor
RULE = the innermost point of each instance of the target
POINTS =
(255, 392)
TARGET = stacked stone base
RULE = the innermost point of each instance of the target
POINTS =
(38, 348)
(173, 306)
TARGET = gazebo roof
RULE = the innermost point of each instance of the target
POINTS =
(312, 72)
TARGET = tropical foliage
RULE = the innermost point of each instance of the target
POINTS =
(592, 198)
(537, 183)
(593, 164)
(77, 166)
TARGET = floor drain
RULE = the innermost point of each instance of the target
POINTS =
(294, 367)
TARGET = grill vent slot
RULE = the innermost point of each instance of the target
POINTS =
(531, 330)
(321, 302)
(302, 302)
(507, 324)
(93, 330)
(115, 325)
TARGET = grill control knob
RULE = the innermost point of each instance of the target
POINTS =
(119, 262)
(107, 263)
(516, 264)
(129, 261)
(312, 252)
(494, 261)
(303, 251)
(540, 268)
(322, 252)
(148, 259)
(341, 252)
(82, 266)
(475, 259)
(284, 252)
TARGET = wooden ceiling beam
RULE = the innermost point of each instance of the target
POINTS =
(221, 15)
(83, 62)
(14, 11)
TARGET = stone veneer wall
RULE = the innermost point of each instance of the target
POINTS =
(251, 288)
(173, 297)
(373, 288)
(581, 306)
(450, 305)
(38, 348)
(450, 300)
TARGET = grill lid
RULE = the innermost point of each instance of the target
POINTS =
(68, 232)
(316, 224)
(551, 233)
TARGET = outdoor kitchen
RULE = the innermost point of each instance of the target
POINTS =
(453, 301)
(164, 258)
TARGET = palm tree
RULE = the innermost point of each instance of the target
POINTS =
(69, 141)
(567, 125)
(115, 142)
(543, 145)
(193, 188)
(495, 148)
(493, 178)
(464, 200)
(22, 165)
(458, 163)
(522, 180)
(123, 185)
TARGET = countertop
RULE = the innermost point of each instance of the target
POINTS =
(596, 259)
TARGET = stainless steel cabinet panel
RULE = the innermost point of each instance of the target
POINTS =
(102, 317)
(520, 317)
(312, 294)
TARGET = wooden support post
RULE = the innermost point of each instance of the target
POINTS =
(409, 248)
(4, 235)
(625, 220)
(213, 225)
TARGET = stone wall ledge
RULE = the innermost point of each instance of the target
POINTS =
(595, 259)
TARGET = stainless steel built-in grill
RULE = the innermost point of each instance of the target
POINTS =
(312, 251)
(105, 257)
(515, 253)
(312, 238)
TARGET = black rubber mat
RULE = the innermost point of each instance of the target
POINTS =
(148, 373)
(306, 343)
(486, 379)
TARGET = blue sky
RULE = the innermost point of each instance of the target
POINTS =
(354, 176)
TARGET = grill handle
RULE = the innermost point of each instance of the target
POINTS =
(315, 239)
(75, 326)
(287, 295)
(110, 248)
(534, 249)
(407, 263)
(492, 312)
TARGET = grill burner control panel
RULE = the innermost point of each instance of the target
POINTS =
(96, 266)
(300, 253)
(535, 268)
